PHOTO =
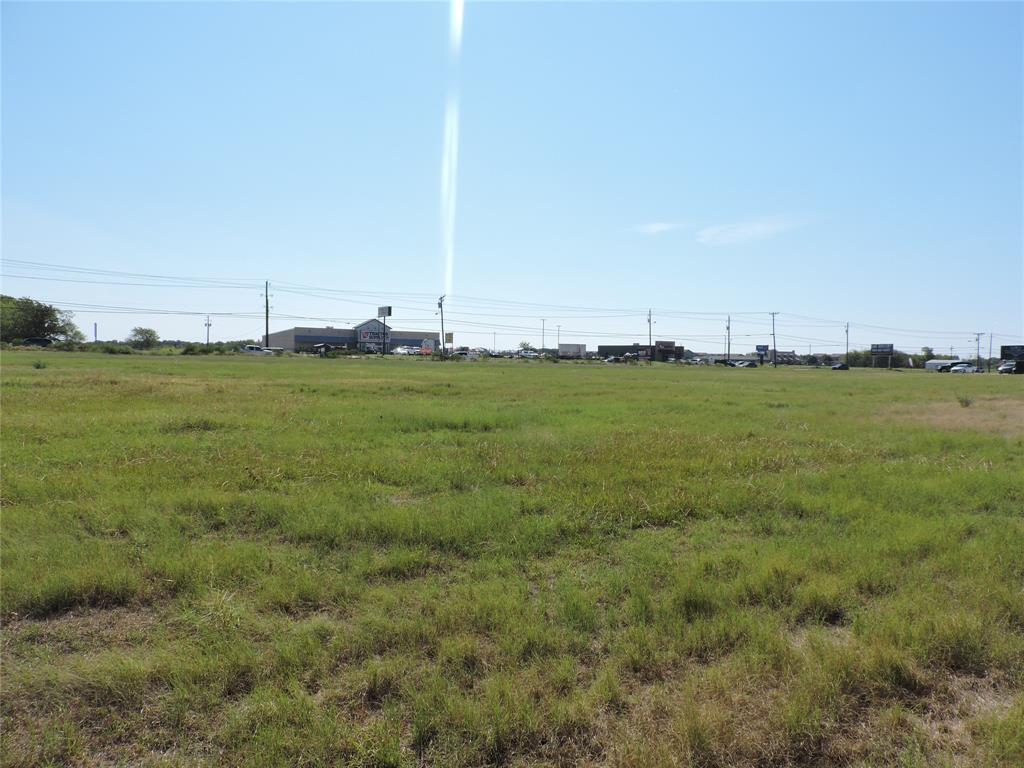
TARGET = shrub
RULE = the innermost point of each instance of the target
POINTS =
(37, 364)
(115, 349)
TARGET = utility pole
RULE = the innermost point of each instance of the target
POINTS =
(847, 344)
(95, 332)
(266, 314)
(542, 321)
(558, 336)
(494, 342)
(775, 347)
(977, 341)
(989, 367)
(440, 306)
(728, 338)
(650, 339)
(208, 330)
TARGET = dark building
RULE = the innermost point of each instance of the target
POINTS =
(663, 350)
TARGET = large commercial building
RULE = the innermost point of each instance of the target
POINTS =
(663, 350)
(366, 337)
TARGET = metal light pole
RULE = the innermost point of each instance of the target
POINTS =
(542, 335)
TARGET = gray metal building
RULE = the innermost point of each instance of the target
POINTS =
(366, 337)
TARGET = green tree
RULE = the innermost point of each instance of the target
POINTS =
(25, 318)
(143, 338)
(927, 353)
(526, 346)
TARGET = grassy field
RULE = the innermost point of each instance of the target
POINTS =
(240, 561)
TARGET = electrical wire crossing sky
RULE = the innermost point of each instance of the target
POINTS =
(480, 319)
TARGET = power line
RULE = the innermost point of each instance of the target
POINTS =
(484, 311)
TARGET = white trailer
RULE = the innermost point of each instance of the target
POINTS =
(572, 351)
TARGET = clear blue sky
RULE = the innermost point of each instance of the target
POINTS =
(856, 162)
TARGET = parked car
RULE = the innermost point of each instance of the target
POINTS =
(1011, 366)
(840, 367)
(256, 349)
(746, 364)
(613, 359)
(965, 368)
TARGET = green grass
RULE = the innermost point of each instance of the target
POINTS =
(297, 561)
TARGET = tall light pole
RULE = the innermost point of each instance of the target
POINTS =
(440, 306)
(977, 340)
(558, 336)
(207, 330)
(847, 343)
(542, 335)
(989, 365)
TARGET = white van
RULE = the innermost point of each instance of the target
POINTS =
(256, 349)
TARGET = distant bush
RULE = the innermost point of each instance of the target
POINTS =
(38, 364)
(965, 402)
(115, 349)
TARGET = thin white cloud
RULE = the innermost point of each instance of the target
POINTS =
(760, 228)
(657, 227)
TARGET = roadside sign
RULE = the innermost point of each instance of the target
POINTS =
(1011, 352)
(881, 349)
(762, 349)
(383, 311)
(449, 338)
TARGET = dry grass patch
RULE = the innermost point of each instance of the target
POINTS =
(1002, 416)
(955, 702)
(79, 631)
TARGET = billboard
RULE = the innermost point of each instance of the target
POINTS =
(1011, 352)
(762, 349)
(383, 311)
(449, 338)
(881, 349)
